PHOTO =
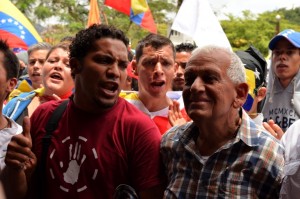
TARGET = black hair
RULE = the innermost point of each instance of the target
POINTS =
(134, 84)
(185, 47)
(130, 55)
(155, 41)
(85, 39)
(10, 61)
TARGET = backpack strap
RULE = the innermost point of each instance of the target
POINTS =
(46, 141)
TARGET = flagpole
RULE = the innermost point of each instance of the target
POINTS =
(105, 17)
(171, 31)
(103, 13)
(130, 23)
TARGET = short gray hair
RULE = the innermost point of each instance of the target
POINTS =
(38, 46)
(236, 71)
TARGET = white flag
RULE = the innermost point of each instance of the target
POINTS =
(196, 19)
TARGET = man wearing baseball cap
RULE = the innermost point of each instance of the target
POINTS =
(283, 92)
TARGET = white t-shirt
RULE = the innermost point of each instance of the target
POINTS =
(5, 136)
(291, 142)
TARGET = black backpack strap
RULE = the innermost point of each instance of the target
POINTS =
(46, 141)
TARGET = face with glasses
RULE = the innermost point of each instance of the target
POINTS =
(285, 61)
(180, 61)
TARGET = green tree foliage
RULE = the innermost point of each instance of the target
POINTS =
(292, 15)
(71, 16)
(258, 30)
(71, 12)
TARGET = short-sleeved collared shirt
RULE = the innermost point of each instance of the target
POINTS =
(249, 166)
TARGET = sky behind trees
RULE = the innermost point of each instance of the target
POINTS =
(236, 7)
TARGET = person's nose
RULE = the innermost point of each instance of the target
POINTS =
(282, 56)
(180, 72)
(197, 86)
(113, 71)
(158, 69)
(36, 65)
(59, 65)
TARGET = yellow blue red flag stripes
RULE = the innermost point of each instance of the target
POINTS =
(250, 76)
(15, 28)
(138, 10)
(94, 13)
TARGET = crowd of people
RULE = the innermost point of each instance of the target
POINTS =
(87, 118)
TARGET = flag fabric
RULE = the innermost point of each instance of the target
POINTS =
(196, 19)
(138, 10)
(15, 28)
(94, 13)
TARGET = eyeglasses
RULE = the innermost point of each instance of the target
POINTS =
(288, 52)
(182, 64)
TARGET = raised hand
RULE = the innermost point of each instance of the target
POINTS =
(20, 163)
(56, 97)
(19, 155)
(273, 129)
(175, 115)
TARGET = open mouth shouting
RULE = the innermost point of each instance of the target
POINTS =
(158, 83)
(110, 89)
(157, 86)
(56, 76)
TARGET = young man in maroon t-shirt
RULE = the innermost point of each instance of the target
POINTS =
(101, 141)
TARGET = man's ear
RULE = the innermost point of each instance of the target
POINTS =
(261, 94)
(75, 66)
(242, 93)
(12, 82)
(134, 67)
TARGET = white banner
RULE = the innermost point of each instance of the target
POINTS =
(196, 19)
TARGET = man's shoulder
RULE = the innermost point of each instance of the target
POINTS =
(46, 108)
(134, 119)
(266, 146)
(134, 112)
(176, 133)
(52, 104)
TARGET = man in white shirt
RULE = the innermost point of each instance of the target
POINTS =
(9, 68)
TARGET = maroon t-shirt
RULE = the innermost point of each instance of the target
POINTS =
(91, 154)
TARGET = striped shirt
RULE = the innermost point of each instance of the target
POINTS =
(249, 166)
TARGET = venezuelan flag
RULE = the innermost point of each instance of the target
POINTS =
(15, 28)
(138, 10)
(250, 76)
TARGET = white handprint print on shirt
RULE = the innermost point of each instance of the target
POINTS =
(72, 173)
